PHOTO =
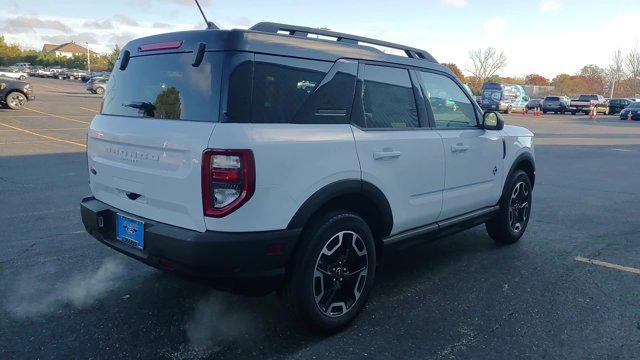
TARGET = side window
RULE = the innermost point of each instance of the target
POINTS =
(388, 100)
(451, 107)
(281, 85)
(331, 102)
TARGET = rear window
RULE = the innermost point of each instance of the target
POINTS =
(587, 97)
(553, 98)
(166, 87)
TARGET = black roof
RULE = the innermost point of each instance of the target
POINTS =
(291, 40)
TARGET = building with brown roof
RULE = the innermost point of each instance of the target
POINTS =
(67, 49)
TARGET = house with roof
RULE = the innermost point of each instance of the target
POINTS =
(67, 49)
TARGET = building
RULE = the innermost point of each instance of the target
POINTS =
(67, 49)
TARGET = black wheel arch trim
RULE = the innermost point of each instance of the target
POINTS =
(522, 158)
(342, 188)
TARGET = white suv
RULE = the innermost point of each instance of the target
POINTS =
(286, 158)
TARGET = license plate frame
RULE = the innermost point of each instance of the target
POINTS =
(130, 231)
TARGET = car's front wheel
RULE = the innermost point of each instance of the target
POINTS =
(16, 100)
(332, 272)
(511, 221)
(100, 91)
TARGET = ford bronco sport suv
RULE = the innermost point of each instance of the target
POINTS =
(287, 158)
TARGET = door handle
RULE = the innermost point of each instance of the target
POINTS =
(460, 148)
(379, 155)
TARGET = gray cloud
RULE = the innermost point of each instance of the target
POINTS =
(160, 25)
(122, 38)
(125, 20)
(26, 24)
(98, 24)
(79, 38)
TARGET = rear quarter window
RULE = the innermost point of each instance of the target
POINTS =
(166, 86)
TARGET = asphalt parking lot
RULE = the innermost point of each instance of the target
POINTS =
(64, 295)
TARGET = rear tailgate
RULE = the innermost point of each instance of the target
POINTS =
(149, 168)
(145, 148)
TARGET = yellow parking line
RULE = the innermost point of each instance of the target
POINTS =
(92, 110)
(56, 116)
(43, 136)
(58, 129)
(608, 265)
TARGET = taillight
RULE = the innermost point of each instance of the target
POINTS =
(228, 180)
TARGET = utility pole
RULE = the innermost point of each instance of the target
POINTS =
(88, 58)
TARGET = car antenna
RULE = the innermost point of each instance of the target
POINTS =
(210, 24)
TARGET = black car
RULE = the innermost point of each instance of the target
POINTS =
(617, 105)
(15, 94)
(555, 104)
(633, 109)
(534, 104)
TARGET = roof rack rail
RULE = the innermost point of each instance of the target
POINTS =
(303, 31)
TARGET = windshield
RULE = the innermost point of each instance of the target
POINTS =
(587, 97)
(492, 95)
(553, 98)
(166, 87)
(634, 105)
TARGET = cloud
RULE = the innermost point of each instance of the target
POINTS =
(98, 24)
(79, 38)
(25, 24)
(495, 26)
(550, 5)
(454, 3)
(122, 38)
(125, 20)
(160, 25)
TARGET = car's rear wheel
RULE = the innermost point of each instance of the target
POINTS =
(16, 100)
(100, 91)
(332, 272)
(511, 221)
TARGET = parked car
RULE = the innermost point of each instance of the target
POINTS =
(633, 109)
(556, 104)
(73, 74)
(584, 103)
(97, 85)
(13, 73)
(617, 105)
(22, 65)
(15, 94)
(534, 104)
(299, 188)
(503, 97)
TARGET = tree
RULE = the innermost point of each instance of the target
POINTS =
(113, 57)
(484, 64)
(615, 71)
(595, 77)
(632, 63)
(535, 79)
(456, 70)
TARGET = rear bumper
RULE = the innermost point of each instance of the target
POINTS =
(235, 261)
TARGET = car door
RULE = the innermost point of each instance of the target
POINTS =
(473, 156)
(398, 153)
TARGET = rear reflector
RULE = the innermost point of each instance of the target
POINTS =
(167, 45)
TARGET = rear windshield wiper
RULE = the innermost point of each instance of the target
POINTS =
(147, 109)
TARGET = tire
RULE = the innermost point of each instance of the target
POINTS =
(100, 91)
(15, 100)
(573, 113)
(324, 247)
(22, 77)
(544, 111)
(508, 226)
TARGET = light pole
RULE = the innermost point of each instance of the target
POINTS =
(88, 58)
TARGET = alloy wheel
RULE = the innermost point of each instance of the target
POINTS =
(340, 273)
(519, 207)
(16, 100)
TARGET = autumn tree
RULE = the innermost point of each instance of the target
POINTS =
(632, 63)
(536, 80)
(456, 70)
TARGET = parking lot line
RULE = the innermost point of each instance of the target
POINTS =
(56, 116)
(607, 265)
(51, 87)
(43, 136)
(92, 110)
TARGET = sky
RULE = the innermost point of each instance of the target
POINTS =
(548, 37)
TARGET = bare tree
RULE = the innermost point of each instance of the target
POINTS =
(633, 68)
(616, 70)
(485, 63)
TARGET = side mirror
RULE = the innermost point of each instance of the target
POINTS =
(492, 121)
(2, 86)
